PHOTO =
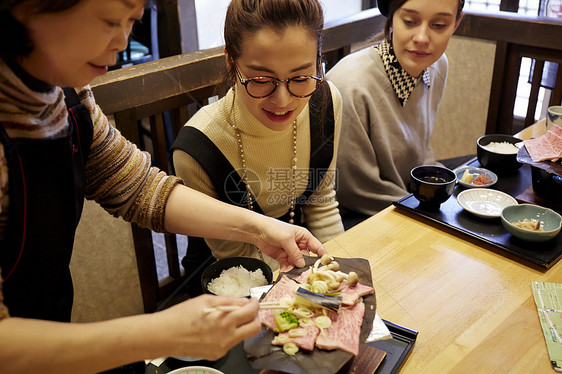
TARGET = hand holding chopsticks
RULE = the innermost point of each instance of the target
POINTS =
(229, 308)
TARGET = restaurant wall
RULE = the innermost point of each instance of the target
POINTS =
(104, 268)
(464, 108)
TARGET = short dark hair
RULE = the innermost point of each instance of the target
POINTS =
(14, 38)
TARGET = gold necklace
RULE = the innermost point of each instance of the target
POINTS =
(250, 198)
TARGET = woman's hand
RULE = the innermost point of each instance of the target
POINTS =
(34, 346)
(286, 243)
(209, 335)
(279, 240)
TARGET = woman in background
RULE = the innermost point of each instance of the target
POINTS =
(270, 143)
(57, 147)
(391, 94)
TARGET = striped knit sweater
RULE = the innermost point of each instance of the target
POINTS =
(118, 175)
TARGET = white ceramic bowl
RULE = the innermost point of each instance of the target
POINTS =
(475, 171)
(485, 203)
(196, 370)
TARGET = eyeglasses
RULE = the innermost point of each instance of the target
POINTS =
(299, 86)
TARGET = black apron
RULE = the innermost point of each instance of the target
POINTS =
(229, 185)
(46, 192)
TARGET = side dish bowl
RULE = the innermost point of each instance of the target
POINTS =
(474, 173)
(432, 185)
(485, 203)
(550, 222)
(501, 163)
(214, 270)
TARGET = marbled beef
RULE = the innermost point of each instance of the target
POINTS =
(350, 295)
(345, 330)
(547, 147)
(285, 287)
(305, 342)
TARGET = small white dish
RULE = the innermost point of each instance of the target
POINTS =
(474, 171)
(196, 370)
(485, 203)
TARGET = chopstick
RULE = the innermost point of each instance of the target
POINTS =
(230, 308)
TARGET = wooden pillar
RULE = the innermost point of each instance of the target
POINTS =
(503, 69)
(368, 4)
(177, 27)
(509, 5)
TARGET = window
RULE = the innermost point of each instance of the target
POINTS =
(210, 17)
(490, 5)
(530, 8)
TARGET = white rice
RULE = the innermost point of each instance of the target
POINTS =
(501, 147)
(237, 281)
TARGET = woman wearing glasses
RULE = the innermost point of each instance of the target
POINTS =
(391, 95)
(270, 143)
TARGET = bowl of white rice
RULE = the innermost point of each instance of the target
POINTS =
(498, 152)
(235, 276)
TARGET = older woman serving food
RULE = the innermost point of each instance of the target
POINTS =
(57, 147)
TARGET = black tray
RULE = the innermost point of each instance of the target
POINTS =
(491, 231)
(397, 350)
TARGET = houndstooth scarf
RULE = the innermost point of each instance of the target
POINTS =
(402, 82)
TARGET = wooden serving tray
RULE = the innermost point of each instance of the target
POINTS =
(490, 231)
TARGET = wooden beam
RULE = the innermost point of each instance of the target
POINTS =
(146, 265)
(349, 30)
(556, 98)
(509, 90)
(496, 88)
(157, 80)
(511, 28)
(534, 94)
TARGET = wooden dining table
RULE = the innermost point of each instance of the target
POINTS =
(472, 306)
(470, 302)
